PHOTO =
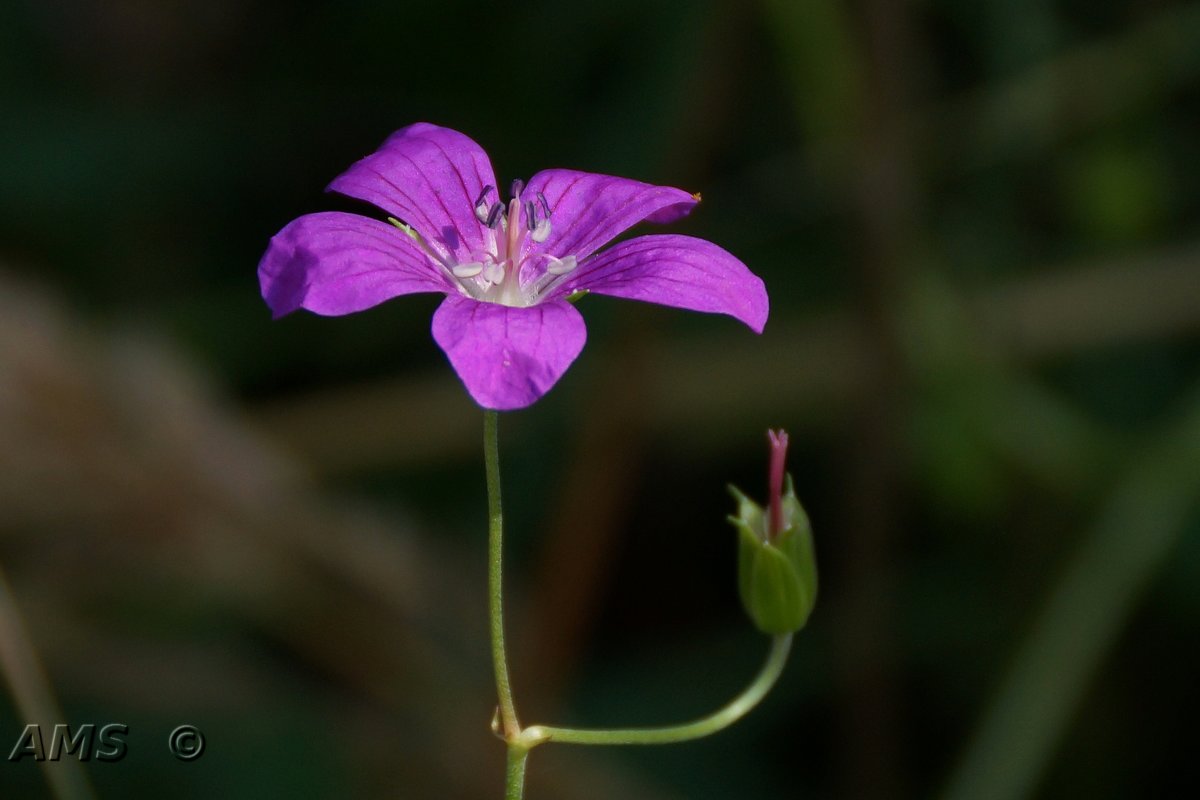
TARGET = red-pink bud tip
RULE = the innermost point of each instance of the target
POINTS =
(779, 444)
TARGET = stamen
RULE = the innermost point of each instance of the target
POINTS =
(471, 289)
(406, 228)
(481, 207)
(493, 215)
(530, 215)
(517, 187)
(561, 266)
(545, 206)
(467, 270)
(556, 268)
(428, 250)
(493, 272)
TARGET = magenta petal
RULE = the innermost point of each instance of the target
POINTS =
(679, 271)
(429, 177)
(334, 263)
(508, 357)
(588, 210)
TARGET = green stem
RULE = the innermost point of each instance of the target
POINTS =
(514, 776)
(509, 726)
(520, 742)
(726, 716)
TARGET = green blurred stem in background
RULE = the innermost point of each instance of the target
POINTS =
(34, 698)
(1145, 516)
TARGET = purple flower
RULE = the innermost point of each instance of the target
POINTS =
(506, 268)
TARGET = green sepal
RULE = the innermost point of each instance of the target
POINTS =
(749, 513)
(777, 578)
(775, 599)
(797, 541)
(748, 546)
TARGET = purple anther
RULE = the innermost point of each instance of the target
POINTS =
(545, 205)
(483, 195)
(530, 215)
(494, 213)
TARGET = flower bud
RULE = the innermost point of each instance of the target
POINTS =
(777, 570)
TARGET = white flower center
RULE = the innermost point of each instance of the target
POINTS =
(502, 272)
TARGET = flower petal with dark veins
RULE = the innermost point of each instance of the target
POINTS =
(589, 210)
(673, 270)
(333, 263)
(429, 177)
(508, 356)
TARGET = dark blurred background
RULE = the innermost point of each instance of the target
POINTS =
(978, 226)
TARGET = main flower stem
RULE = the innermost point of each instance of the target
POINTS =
(514, 776)
(509, 727)
(724, 717)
